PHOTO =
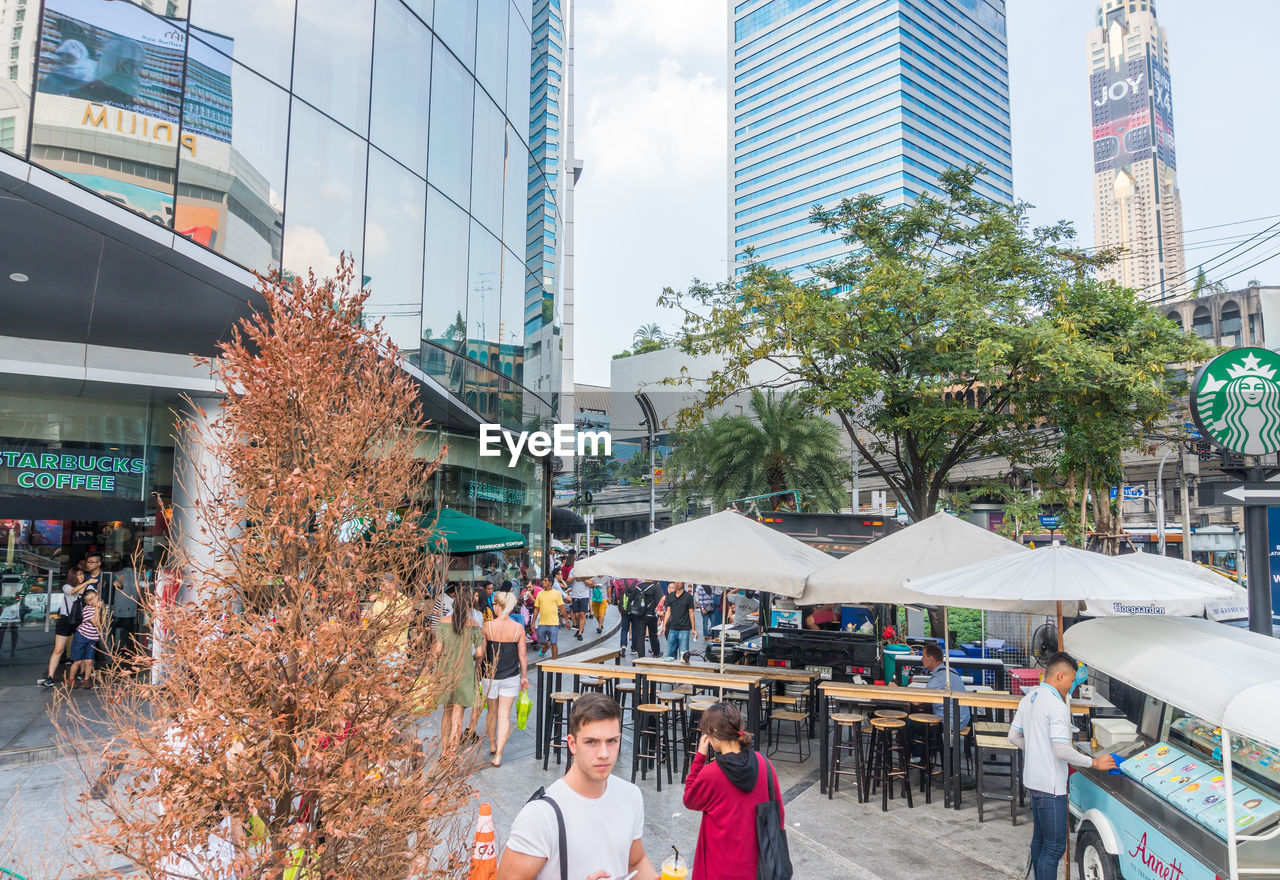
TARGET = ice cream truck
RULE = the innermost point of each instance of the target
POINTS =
(1197, 795)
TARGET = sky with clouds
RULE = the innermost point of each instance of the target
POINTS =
(652, 118)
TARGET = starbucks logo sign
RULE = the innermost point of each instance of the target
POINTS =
(1235, 401)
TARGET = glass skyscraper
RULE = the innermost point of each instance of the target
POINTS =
(835, 98)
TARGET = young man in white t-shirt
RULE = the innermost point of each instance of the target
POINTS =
(1042, 729)
(603, 814)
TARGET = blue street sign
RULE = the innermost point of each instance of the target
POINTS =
(1192, 432)
(1131, 493)
(1050, 522)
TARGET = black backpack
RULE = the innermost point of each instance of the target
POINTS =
(650, 594)
(541, 795)
(76, 615)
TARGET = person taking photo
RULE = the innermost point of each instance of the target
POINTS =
(727, 781)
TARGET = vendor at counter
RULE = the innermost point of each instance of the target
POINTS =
(1042, 729)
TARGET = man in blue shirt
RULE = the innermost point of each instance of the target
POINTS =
(932, 662)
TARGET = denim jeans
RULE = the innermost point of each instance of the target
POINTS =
(624, 630)
(677, 642)
(710, 618)
(1048, 833)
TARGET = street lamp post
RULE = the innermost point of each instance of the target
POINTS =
(651, 423)
(1160, 500)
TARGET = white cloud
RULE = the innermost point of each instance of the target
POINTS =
(305, 248)
(672, 25)
(656, 125)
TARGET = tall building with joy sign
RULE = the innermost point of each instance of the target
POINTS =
(1136, 205)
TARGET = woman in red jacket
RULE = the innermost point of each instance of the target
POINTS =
(726, 789)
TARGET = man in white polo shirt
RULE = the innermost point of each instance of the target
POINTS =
(1042, 729)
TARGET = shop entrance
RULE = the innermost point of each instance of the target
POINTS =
(36, 556)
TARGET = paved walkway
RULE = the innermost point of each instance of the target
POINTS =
(836, 838)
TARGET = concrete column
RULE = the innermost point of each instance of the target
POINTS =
(198, 480)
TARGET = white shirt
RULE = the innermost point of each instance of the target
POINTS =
(1043, 719)
(599, 831)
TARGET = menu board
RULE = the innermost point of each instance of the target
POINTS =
(1150, 761)
(1253, 811)
(1200, 795)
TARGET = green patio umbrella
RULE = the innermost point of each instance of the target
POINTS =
(459, 534)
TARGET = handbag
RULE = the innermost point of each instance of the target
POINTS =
(775, 856)
(523, 705)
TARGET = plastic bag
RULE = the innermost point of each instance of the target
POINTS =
(523, 705)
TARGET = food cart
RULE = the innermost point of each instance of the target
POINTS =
(1175, 809)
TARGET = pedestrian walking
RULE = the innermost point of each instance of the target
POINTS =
(677, 621)
(461, 640)
(588, 824)
(580, 597)
(726, 783)
(709, 606)
(509, 672)
(1042, 729)
(547, 606)
(63, 629)
(90, 618)
(622, 587)
(643, 607)
(599, 600)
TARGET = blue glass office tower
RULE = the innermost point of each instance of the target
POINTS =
(835, 98)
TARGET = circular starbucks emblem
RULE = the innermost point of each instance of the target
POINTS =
(1235, 401)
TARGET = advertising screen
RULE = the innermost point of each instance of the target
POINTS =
(108, 100)
(1162, 104)
(1121, 116)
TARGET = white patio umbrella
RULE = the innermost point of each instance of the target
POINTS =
(1065, 574)
(940, 543)
(725, 549)
(1233, 608)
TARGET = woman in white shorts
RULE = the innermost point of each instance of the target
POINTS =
(505, 660)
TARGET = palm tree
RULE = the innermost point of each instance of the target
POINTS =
(780, 446)
(648, 333)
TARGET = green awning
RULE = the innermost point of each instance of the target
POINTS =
(456, 532)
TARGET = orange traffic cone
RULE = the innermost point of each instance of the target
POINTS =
(484, 857)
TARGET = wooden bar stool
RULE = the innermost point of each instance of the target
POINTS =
(652, 742)
(786, 716)
(590, 684)
(849, 723)
(889, 740)
(926, 736)
(696, 707)
(624, 692)
(561, 705)
(678, 719)
(890, 713)
(986, 746)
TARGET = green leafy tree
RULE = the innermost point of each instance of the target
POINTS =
(779, 447)
(944, 335)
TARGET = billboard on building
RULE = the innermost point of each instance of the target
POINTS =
(1121, 115)
(108, 99)
(1162, 113)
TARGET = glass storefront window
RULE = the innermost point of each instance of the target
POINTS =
(231, 170)
(401, 86)
(519, 62)
(444, 279)
(515, 198)
(452, 97)
(393, 234)
(108, 93)
(334, 54)
(511, 353)
(324, 204)
(259, 32)
(487, 162)
(455, 23)
(491, 48)
(425, 9)
(484, 291)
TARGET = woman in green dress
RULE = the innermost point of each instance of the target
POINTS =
(461, 643)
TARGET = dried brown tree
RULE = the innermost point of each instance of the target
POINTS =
(277, 735)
